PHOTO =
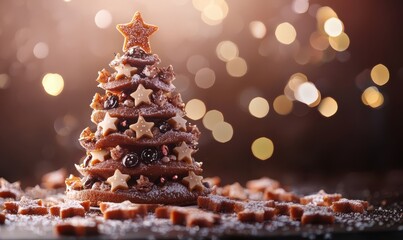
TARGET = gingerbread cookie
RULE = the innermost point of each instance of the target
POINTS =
(255, 211)
(262, 184)
(346, 206)
(279, 194)
(70, 208)
(320, 199)
(189, 217)
(55, 179)
(125, 210)
(311, 214)
(10, 190)
(235, 191)
(77, 226)
(248, 211)
(26, 206)
(216, 203)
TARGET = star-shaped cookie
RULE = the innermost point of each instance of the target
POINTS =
(178, 122)
(125, 210)
(142, 128)
(108, 124)
(98, 156)
(193, 181)
(124, 70)
(184, 153)
(118, 181)
(136, 33)
(141, 95)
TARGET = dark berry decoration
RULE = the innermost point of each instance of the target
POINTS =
(164, 127)
(89, 181)
(111, 102)
(130, 160)
(149, 155)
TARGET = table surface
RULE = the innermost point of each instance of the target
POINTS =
(384, 220)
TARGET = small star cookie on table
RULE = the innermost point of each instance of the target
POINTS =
(320, 199)
(186, 216)
(77, 226)
(70, 208)
(125, 210)
(26, 206)
(346, 206)
(10, 190)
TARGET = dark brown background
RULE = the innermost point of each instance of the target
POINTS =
(356, 139)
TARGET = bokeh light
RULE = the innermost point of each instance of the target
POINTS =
(372, 97)
(4, 81)
(257, 29)
(196, 62)
(103, 18)
(340, 43)
(282, 105)
(41, 50)
(285, 33)
(380, 74)
(195, 109)
(262, 148)
(307, 93)
(223, 132)
(333, 27)
(53, 83)
(211, 118)
(293, 83)
(205, 78)
(319, 41)
(300, 6)
(259, 107)
(214, 12)
(328, 107)
(200, 4)
(227, 50)
(323, 14)
(237, 67)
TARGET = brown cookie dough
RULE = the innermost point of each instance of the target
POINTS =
(172, 193)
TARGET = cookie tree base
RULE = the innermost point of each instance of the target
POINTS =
(171, 193)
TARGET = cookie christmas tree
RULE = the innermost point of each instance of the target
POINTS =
(142, 149)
